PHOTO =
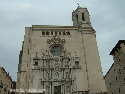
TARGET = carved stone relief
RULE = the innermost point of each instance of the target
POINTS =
(56, 70)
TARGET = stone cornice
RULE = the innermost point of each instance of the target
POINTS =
(53, 27)
(117, 47)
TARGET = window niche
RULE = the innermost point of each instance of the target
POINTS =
(52, 33)
(28, 51)
(59, 33)
(36, 63)
(64, 33)
(83, 17)
(116, 78)
(68, 33)
(119, 90)
(76, 64)
(47, 33)
(77, 18)
(43, 33)
(56, 33)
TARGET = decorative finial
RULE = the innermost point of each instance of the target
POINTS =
(78, 4)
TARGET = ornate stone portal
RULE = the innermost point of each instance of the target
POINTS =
(57, 66)
(61, 59)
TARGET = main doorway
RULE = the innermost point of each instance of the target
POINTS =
(57, 89)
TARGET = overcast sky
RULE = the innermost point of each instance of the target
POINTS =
(107, 16)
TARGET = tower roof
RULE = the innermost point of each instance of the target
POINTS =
(117, 46)
(81, 6)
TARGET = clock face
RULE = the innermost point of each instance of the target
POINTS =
(56, 50)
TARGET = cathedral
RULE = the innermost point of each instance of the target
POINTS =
(61, 59)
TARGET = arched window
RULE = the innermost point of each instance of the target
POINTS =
(77, 18)
(83, 17)
(56, 50)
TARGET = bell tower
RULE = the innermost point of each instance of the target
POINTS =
(80, 16)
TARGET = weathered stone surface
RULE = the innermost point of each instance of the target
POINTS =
(62, 59)
(115, 77)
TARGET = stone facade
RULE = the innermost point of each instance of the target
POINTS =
(61, 59)
(115, 77)
(5, 81)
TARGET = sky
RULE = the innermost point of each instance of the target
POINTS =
(107, 18)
